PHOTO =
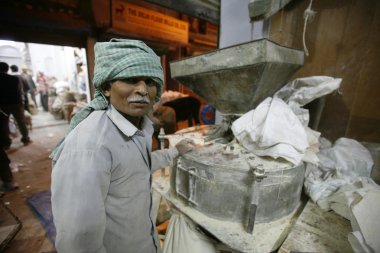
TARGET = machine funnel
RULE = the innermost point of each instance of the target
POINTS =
(236, 79)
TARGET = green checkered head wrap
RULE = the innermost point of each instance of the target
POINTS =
(116, 60)
(122, 58)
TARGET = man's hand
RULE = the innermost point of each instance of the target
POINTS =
(184, 146)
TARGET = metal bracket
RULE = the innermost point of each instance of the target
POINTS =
(192, 185)
(192, 173)
(161, 138)
(258, 176)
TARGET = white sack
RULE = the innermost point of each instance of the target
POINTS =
(183, 237)
(365, 220)
(342, 183)
(347, 196)
(302, 91)
(350, 158)
(272, 129)
(343, 163)
(357, 243)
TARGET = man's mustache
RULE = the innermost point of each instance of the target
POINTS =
(138, 99)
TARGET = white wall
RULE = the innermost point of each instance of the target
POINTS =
(10, 54)
(56, 61)
(235, 25)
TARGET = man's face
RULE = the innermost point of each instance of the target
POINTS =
(133, 97)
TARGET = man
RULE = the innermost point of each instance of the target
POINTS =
(31, 84)
(24, 85)
(43, 89)
(101, 178)
(11, 102)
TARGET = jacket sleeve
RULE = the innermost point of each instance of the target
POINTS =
(80, 182)
(163, 158)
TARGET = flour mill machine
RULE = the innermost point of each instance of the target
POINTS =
(244, 201)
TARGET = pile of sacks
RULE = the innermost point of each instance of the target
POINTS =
(337, 176)
(341, 182)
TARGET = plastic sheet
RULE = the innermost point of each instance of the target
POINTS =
(343, 163)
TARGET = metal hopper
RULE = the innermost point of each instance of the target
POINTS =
(236, 79)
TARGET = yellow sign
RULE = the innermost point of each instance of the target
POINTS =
(148, 23)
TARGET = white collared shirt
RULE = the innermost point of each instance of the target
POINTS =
(101, 186)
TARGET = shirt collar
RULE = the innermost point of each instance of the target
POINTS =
(127, 127)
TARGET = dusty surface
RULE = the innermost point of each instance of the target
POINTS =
(32, 170)
(318, 231)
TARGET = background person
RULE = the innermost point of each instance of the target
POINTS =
(11, 103)
(31, 84)
(24, 86)
(43, 88)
